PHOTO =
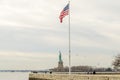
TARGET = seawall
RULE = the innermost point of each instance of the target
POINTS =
(38, 76)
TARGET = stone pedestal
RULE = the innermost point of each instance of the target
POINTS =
(60, 67)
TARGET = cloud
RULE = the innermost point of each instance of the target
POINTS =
(20, 60)
(32, 27)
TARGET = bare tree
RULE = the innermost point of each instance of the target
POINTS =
(116, 62)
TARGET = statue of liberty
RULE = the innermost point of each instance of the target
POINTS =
(60, 63)
(60, 57)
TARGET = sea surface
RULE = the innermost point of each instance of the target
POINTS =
(14, 76)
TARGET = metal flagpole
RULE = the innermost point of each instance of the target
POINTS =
(69, 42)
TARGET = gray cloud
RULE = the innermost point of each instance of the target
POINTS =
(32, 27)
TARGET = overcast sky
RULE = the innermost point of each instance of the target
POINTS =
(31, 34)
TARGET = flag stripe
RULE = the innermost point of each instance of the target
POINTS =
(64, 12)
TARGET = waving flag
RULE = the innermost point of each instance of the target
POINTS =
(64, 12)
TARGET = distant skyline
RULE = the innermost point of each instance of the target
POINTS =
(32, 35)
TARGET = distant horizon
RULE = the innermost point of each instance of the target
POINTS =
(49, 68)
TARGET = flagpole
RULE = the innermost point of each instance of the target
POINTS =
(69, 41)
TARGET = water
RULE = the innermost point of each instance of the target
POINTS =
(14, 76)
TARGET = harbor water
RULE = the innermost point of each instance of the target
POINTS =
(14, 75)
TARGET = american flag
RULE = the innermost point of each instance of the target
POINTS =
(64, 12)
